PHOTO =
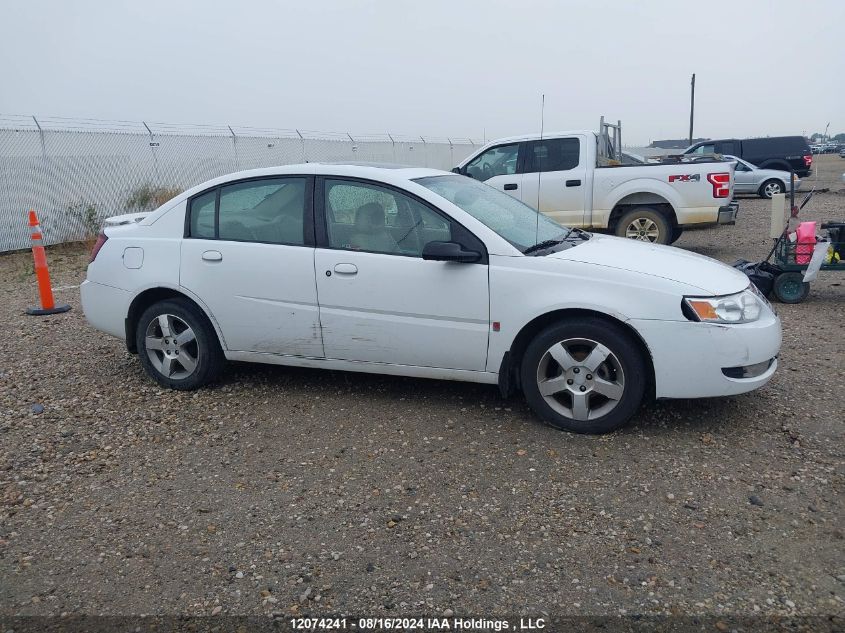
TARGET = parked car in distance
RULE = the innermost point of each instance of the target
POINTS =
(566, 177)
(772, 152)
(842, 153)
(765, 183)
(420, 272)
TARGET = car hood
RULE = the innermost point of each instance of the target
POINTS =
(665, 262)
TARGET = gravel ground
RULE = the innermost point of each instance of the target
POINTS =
(297, 491)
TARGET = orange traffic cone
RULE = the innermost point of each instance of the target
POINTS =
(48, 305)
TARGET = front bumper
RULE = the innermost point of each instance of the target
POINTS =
(689, 358)
(728, 213)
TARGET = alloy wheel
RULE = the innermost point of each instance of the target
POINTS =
(171, 346)
(643, 229)
(771, 189)
(580, 379)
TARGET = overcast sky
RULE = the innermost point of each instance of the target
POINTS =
(431, 67)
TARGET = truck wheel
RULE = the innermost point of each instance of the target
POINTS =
(770, 188)
(583, 375)
(791, 287)
(645, 224)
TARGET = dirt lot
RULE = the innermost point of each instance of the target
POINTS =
(297, 491)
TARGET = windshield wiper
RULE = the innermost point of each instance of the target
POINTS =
(542, 245)
(566, 237)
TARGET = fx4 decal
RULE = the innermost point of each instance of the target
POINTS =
(685, 178)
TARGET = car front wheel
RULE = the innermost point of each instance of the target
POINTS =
(584, 375)
(177, 345)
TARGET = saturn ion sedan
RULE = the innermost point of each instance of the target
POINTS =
(420, 272)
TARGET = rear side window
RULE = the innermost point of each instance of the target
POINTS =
(556, 154)
(202, 215)
(269, 210)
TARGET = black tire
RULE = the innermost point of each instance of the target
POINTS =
(790, 287)
(625, 356)
(641, 220)
(203, 349)
(771, 187)
(677, 231)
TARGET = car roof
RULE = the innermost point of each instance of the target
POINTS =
(386, 172)
(536, 136)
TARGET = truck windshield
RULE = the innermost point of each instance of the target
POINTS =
(515, 221)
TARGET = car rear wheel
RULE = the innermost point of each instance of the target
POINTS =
(584, 375)
(770, 188)
(177, 345)
(645, 224)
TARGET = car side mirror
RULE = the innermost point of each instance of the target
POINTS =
(456, 170)
(449, 252)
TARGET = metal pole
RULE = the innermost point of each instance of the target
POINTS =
(691, 106)
(302, 139)
(235, 147)
(153, 150)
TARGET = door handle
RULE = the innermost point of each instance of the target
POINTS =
(212, 256)
(511, 186)
(573, 183)
(346, 269)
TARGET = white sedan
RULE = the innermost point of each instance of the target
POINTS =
(419, 272)
(765, 183)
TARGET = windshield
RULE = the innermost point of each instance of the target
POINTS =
(518, 223)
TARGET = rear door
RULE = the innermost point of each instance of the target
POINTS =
(499, 167)
(555, 178)
(379, 300)
(248, 255)
(744, 179)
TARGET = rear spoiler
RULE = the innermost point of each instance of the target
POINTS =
(126, 218)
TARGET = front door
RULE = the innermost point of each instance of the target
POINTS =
(379, 300)
(555, 179)
(249, 256)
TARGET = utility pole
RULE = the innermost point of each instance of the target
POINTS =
(691, 106)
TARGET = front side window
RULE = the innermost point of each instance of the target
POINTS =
(705, 149)
(496, 161)
(366, 217)
(555, 154)
(513, 220)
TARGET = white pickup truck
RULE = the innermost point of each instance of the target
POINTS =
(580, 179)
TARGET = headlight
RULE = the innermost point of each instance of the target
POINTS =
(742, 307)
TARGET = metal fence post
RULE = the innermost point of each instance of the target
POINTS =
(235, 147)
(302, 139)
(394, 146)
(153, 145)
(45, 172)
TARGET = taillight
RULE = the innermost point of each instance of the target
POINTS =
(101, 239)
(721, 184)
(808, 159)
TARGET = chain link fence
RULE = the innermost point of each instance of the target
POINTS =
(76, 172)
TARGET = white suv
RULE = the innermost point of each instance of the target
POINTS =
(419, 272)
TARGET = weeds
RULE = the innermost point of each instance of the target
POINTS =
(149, 196)
(86, 214)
